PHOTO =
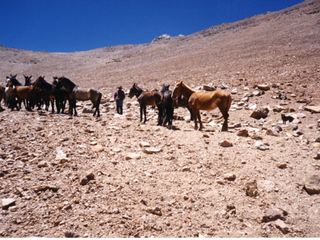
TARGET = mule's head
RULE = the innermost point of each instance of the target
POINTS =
(132, 91)
(27, 80)
(177, 90)
(165, 87)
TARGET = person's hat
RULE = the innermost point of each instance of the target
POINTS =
(120, 87)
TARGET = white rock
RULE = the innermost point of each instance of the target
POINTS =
(152, 150)
(133, 156)
(259, 145)
(7, 202)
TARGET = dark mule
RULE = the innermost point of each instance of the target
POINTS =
(2, 95)
(44, 93)
(61, 96)
(146, 98)
(77, 93)
(204, 101)
(167, 106)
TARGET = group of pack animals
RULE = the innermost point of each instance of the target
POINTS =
(41, 92)
(62, 90)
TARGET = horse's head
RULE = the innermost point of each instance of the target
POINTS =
(177, 90)
(66, 83)
(12, 79)
(165, 87)
(133, 90)
(27, 80)
(55, 81)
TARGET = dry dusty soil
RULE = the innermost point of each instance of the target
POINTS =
(112, 176)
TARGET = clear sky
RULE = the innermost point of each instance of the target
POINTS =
(80, 25)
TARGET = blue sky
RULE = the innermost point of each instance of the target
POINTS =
(80, 25)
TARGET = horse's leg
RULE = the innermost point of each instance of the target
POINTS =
(145, 113)
(75, 107)
(160, 114)
(191, 115)
(224, 110)
(225, 116)
(195, 115)
(199, 118)
(141, 109)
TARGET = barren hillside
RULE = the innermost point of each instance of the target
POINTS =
(111, 176)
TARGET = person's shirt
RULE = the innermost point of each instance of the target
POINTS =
(119, 95)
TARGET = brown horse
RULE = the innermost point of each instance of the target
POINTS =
(146, 98)
(204, 101)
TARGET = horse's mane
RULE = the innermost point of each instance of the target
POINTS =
(186, 86)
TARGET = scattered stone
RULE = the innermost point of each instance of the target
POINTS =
(278, 108)
(87, 109)
(256, 137)
(133, 156)
(42, 164)
(256, 93)
(46, 187)
(86, 179)
(209, 87)
(7, 202)
(272, 132)
(223, 86)
(156, 211)
(312, 184)
(259, 145)
(225, 143)
(282, 96)
(186, 169)
(61, 155)
(271, 215)
(234, 91)
(98, 148)
(297, 133)
(144, 144)
(260, 113)
(252, 106)
(229, 176)
(286, 118)
(281, 165)
(252, 189)
(126, 217)
(152, 150)
(116, 211)
(282, 226)
(69, 234)
(263, 87)
(315, 109)
(243, 133)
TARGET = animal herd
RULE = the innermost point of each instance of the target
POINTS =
(40, 92)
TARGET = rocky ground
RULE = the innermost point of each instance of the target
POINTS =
(111, 176)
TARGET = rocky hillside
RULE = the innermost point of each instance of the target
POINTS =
(111, 176)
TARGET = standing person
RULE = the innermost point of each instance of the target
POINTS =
(119, 97)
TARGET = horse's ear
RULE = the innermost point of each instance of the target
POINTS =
(30, 76)
(15, 75)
